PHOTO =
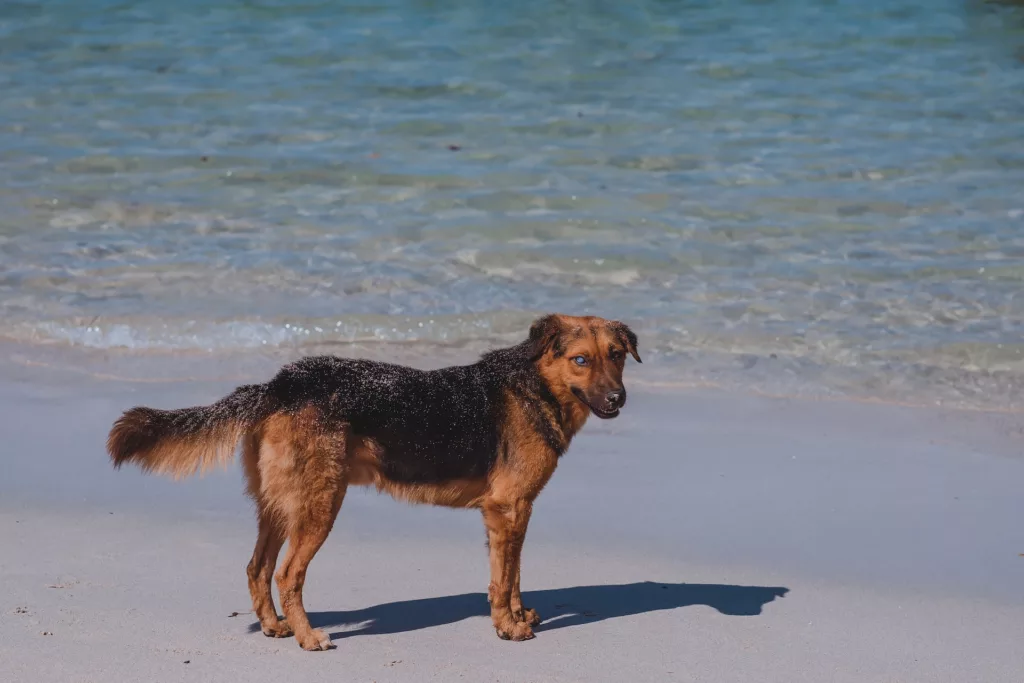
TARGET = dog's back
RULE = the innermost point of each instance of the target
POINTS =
(425, 426)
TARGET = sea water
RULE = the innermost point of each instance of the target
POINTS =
(823, 197)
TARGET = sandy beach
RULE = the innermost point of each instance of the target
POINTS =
(701, 536)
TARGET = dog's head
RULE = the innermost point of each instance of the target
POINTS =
(583, 358)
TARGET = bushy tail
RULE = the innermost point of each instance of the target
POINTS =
(183, 442)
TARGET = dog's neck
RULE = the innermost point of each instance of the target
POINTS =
(556, 413)
(574, 416)
(570, 413)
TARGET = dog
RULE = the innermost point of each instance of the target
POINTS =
(486, 436)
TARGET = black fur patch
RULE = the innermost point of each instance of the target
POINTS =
(434, 425)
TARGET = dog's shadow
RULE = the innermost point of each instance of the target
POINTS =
(560, 607)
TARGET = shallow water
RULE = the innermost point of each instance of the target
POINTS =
(820, 197)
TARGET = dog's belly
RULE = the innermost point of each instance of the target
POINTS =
(428, 445)
(365, 470)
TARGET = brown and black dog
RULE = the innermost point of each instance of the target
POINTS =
(485, 436)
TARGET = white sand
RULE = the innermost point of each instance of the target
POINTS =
(699, 537)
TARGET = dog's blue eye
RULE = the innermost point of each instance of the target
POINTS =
(579, 360)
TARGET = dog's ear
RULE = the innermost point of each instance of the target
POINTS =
(627, 337)
(545, 333)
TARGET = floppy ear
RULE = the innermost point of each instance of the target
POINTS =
(545, 333)
(627, 338)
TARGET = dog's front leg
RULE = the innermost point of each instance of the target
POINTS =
(519, 611)
(506, 530)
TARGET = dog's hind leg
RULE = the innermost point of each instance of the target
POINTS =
(268, 545)
(310, 483)
(309, 531)
(261, 572)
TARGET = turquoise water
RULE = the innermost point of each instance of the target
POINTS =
(824, 195)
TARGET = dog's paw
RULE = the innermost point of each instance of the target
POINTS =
(526, 615)
(529, 616)
(517, 630)
(280, 629)
(315, 640)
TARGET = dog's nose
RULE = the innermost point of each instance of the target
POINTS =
(615, 398)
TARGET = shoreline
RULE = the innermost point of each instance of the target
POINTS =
(158, 366)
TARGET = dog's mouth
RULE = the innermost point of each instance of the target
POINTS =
(600, 412)
(604, 414)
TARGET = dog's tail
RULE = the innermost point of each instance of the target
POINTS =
(183, 442)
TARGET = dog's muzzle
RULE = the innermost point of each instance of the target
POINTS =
(607, 406)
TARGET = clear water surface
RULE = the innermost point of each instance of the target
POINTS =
(827, 196)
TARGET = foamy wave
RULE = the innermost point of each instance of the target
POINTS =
(979, 376)
(204, 335)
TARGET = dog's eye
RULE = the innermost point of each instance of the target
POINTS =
(615, 354)
(579, 360)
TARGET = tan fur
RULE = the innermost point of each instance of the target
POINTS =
(183, 457)
(302, 479)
